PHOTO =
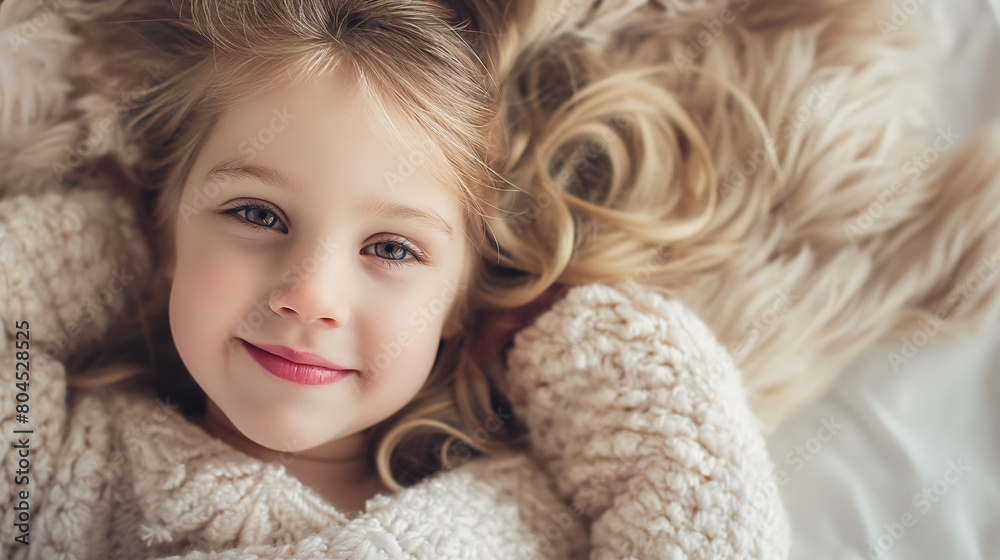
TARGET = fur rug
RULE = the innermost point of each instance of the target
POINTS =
(855, 221)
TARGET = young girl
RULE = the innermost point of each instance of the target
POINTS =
(331, 237)
(323, 218)
(299, 373)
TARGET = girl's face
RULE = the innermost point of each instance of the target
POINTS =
(318, 238)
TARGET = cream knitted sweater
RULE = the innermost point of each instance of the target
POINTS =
(643, 443)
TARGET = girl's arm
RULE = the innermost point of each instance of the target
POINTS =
(65, 258)
(636, 414)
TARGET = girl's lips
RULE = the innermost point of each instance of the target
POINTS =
(300, 357)
(304, 374)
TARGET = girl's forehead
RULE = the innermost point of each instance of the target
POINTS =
(338, 119)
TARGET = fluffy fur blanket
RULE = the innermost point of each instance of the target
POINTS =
(856, 220)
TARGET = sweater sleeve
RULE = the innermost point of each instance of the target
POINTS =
(63, 259)
(634, 411)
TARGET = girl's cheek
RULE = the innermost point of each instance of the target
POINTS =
(210, 269)
(399, 332)
(210, 281)
(206, 303)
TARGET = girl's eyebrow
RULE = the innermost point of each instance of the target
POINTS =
(382, 208)
(373, 207)
(237, 169)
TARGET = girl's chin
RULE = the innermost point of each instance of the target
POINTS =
(285, 437)
(274, 428)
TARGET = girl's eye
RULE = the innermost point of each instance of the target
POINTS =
(256, 215)
(392, 251)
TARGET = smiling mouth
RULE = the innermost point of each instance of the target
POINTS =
(303, 374)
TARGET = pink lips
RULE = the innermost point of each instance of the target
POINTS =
(298, 367)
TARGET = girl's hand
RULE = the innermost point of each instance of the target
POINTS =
(497, 330)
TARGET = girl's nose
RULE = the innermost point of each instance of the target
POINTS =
(314, 291)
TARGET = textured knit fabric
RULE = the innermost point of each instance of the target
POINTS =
(643, 444)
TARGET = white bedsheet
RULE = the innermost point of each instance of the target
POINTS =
(906, 464)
